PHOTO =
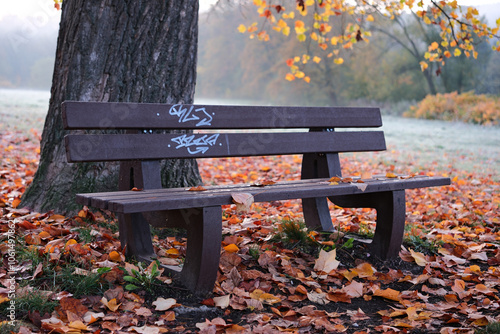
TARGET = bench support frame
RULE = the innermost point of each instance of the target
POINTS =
(390, 206)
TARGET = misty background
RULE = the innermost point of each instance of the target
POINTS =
(231, 66)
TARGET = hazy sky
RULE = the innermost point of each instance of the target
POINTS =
(45, 8)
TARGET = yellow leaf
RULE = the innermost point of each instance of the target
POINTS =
(390, 175)
(231, 248)
(242, 28)
(290, 77)
(307, 79)
(338, 61)
(71, 242)
(457, 52)
(365, 270)
(419, 258)
(316, 59)
(370, 18)
(264, 297)
(423, 65)
(111, 305)
(78, 325)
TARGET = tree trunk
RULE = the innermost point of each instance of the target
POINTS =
(430, 81)
(116, 51)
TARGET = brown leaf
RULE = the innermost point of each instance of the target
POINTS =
(353, 290)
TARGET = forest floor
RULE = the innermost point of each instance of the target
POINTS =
(70, 274)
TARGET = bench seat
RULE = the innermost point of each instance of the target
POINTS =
(182, 198)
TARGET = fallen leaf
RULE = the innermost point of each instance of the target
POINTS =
(231, 248)
(388, 294)
(111, 305)
(318, 297)
(243, 201)
(419, 258)
(146, 329)
(116, 257)
(353, 290)
(326, 261)
(197, 188)
(222, 301)
(162, 304)
(360, 185)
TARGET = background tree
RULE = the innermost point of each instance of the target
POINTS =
(459, 27)
(380, 72)
(116, 51)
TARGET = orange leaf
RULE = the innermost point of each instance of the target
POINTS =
(44, 235)
(70, 242)
(115, 256)
(172, 251)
(231, 248)
(16, 202)
(301, 289)
(198, 188)
(388, 294)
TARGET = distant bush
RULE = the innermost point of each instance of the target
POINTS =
(466, 107)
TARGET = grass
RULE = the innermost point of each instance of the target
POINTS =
(59, 276)
(493, 328)
(36, 300)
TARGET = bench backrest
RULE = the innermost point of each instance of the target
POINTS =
(142, 140)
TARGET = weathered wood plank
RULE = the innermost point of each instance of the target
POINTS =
(169, 199)
(99, 115)
(159, 146)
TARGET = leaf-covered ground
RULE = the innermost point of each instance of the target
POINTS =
(275, 276)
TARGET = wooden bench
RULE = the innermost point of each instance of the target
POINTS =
(140, 149)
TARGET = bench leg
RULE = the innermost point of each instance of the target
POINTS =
(204, 237)
(317, 213)
(391, 213)
(135, 236)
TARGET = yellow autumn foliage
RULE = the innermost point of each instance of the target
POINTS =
(466, 107)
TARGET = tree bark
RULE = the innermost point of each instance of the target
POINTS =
(116, 51)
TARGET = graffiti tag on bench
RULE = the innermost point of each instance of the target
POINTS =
(191, 114)
(196, 143)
